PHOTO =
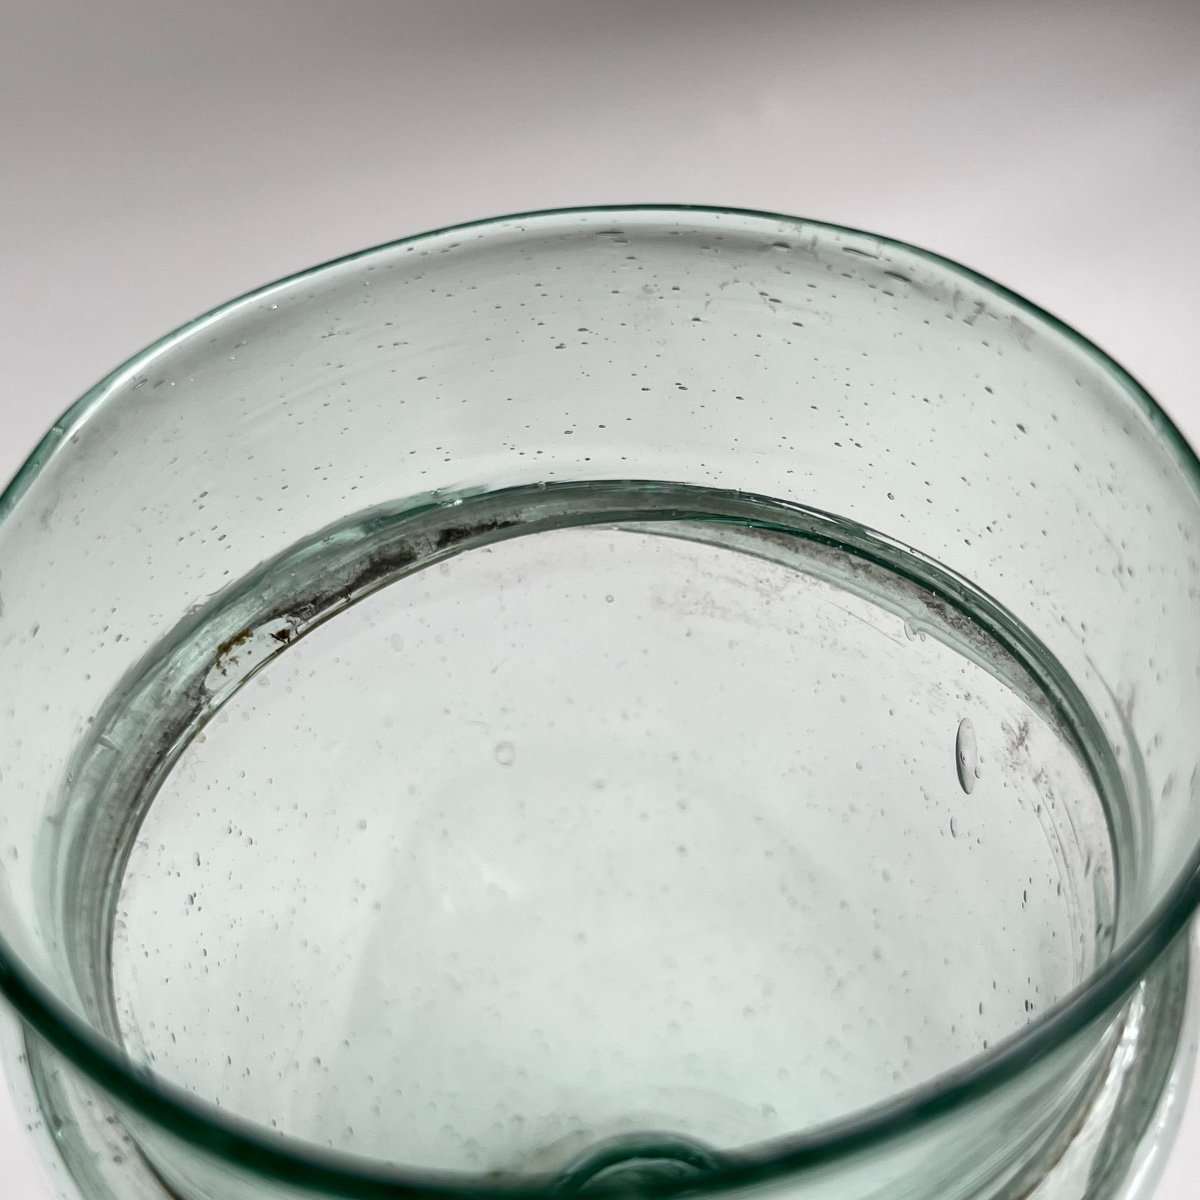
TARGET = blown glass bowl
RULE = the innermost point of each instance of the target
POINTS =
(643, 700)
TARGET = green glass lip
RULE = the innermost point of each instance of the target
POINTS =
(331, 1173)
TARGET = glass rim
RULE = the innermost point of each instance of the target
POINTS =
(297, 1162)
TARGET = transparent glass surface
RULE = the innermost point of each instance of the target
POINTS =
(636, 699)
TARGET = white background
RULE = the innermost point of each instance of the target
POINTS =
(159, 157)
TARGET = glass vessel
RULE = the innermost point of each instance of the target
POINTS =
(640, 700)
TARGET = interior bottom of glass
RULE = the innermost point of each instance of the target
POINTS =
(496, 832)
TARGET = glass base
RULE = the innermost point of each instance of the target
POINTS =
(363, 853)
(1116, 1150)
